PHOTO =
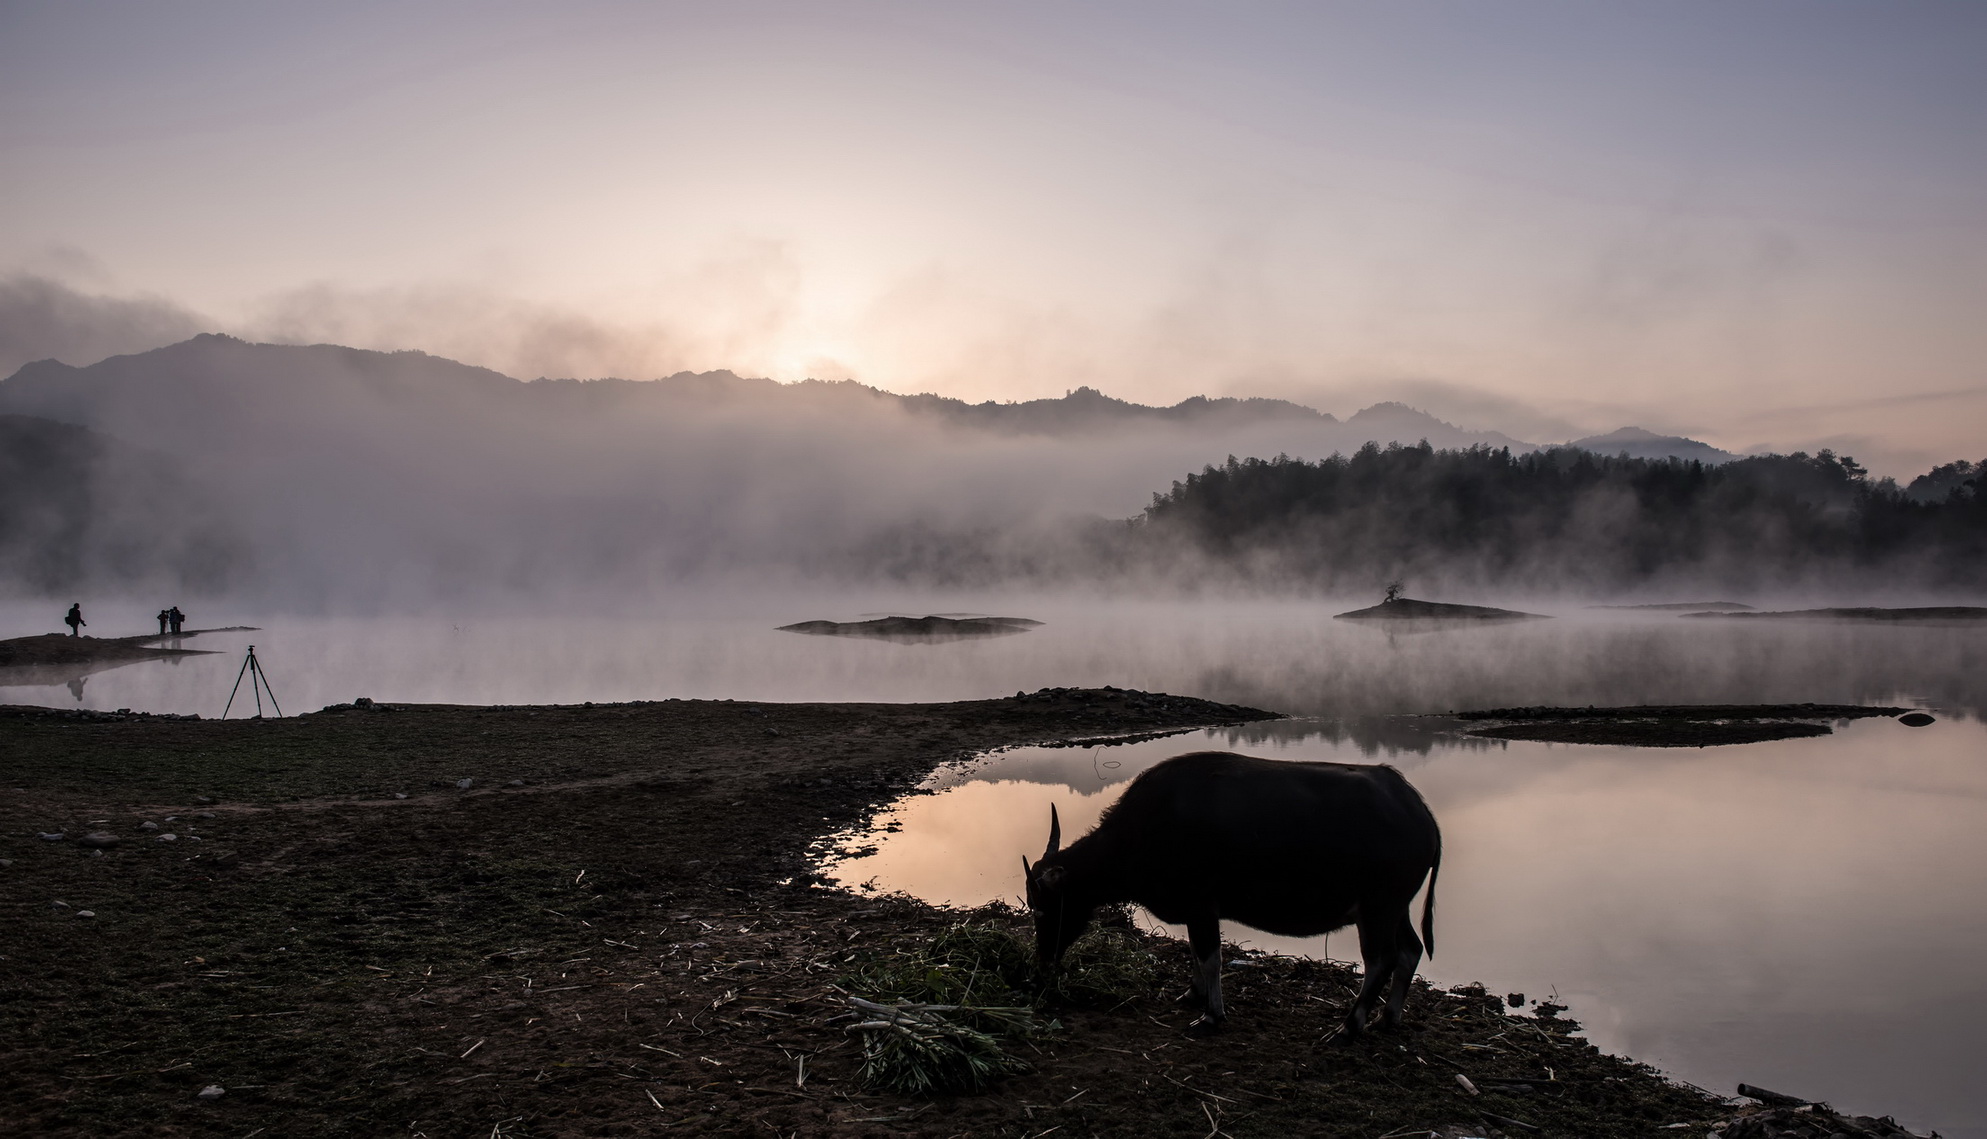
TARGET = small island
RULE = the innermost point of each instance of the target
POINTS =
(913, 629)
(56, 658)
(1676, 725)
(1409, 609)
(57, 649)
(1683, 606)
(1869, 613)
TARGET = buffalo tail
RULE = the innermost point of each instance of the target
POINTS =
(1428, 901)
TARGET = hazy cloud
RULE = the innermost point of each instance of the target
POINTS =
(42, 318)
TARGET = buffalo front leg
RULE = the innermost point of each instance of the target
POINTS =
(1205, 939)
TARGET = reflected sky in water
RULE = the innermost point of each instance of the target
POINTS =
(1801, 914)
(1284, 656)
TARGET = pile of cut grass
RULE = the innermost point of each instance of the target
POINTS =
(955, 998)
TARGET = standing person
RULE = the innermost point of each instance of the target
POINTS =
(177, 618)
(164, 616)
(75, 619)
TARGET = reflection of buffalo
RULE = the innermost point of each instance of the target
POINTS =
(916, 628)
(1295, 849)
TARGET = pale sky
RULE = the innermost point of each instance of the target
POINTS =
(1761, 224)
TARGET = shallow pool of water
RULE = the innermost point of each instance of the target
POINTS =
(1805, 915)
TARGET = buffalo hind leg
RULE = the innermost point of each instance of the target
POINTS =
(1205, 939)
(1380, 956)
(1407, 958)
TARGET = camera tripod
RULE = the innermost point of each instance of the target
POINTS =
(258, 683)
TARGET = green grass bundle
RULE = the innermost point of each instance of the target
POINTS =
(1106, 967)
(975, 965)
(914, 1049)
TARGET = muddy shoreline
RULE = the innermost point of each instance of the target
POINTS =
(523, 921)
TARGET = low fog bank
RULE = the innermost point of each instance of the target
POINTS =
(335, 479)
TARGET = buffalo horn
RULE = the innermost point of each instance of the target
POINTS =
(1055, 832)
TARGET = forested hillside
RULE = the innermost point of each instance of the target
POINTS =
(1564, 518)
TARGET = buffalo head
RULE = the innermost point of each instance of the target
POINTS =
(1061, 913)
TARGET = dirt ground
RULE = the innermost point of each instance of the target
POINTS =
(599, 920)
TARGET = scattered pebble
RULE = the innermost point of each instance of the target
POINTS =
(211, 1091)
(86, 913)
(58, 903)
(400, 794)
(5, 863)
(168, 838)
(204, 815)
(464, 784)
(202, 800)
(98, 840)
(148, 825)
(51, 836)
(517, 783)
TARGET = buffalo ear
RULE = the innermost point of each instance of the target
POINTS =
(1027, 871)
(1055, 832)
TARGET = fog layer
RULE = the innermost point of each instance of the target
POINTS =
(334, 477)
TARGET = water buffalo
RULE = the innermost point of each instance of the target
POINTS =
(1295, 849)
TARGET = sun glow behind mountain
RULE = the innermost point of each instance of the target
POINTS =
(1754, 226)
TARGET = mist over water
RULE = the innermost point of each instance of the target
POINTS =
(1283, 656)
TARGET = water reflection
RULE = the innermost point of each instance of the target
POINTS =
(1285, 656)
(1799, 913)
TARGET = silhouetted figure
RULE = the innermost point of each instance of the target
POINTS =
(76, 687)
(177, 619)
(1394, 590)
(75, 619)
(164, 616)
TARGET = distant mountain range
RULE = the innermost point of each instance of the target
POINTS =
(331, 472)
(213, 373)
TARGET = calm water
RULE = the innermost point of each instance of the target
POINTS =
(1288, 657)
(1805, 915)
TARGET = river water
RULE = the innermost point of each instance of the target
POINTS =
(1806, 915)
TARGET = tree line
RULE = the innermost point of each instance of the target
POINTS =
(1564, 517)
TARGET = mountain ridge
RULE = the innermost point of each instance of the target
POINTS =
(223, 368)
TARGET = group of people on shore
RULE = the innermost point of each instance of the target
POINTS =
(170, 621)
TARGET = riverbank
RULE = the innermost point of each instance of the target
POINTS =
(600, 920)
